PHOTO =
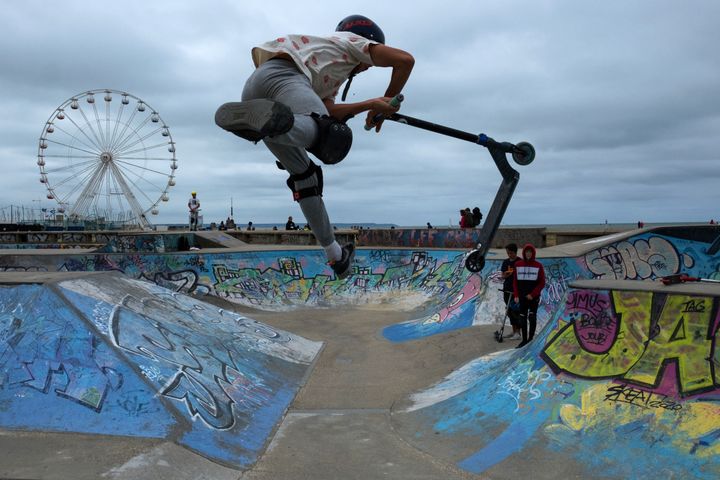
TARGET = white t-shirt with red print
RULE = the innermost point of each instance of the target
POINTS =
(327, 61)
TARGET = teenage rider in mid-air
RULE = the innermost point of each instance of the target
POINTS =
(289, 103)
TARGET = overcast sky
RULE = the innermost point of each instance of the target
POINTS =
(621, 100)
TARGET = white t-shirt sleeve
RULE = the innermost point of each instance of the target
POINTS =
(357, 47)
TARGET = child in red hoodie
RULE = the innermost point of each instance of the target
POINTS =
(528, 282)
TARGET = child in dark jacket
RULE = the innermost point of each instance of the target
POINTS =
(528, 283)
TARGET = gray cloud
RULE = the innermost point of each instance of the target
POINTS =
(620, 100)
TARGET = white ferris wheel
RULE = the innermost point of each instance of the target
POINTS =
(106, 155)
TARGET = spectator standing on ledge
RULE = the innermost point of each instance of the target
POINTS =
(462, 219)
(528, 283)
(466, 220)
(194, 206)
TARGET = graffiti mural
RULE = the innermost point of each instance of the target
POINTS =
(616, 336)
(458, 312)
(58, 374)
(638, 259)
(229, 376)
(107, 354)
(185, 281)
(616, 371)
(623, 421)
(191, 365)
(414, 279)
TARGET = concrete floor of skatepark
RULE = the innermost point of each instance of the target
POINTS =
(337, 427)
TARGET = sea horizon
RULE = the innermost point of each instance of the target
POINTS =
(375, 225)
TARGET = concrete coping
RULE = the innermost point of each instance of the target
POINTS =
(17, 278)
(688, 288)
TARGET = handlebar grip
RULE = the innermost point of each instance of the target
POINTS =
(395, 102)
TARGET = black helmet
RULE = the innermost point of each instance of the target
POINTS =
(362, 26)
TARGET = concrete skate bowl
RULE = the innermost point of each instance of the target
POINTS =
(422, 280)
(431, 282)
(440, 295)
(104, 354)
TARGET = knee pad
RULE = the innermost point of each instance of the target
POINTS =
(314, 191)
(333, 141)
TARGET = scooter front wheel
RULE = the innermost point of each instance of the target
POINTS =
(475, 261)
(524, 153)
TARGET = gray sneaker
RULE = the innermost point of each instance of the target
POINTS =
(255, 119)
(342, 267)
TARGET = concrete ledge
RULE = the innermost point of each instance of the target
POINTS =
(688, 288)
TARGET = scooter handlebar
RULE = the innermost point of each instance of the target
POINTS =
(395, 102)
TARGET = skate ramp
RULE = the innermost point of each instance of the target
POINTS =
(621, 383)
(105, 354)
(637, 255)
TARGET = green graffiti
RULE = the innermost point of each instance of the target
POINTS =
(683, 335)
(92, 397)
(642, 348)
(565, 353)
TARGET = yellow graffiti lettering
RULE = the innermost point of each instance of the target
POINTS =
(565, 353)
(682, 336)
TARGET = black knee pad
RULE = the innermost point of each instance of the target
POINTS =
(315, 191)
(334, 140)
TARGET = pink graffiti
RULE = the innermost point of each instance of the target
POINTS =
(596, 330)
(468, 293)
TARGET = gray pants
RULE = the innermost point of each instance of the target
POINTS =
(280, 80)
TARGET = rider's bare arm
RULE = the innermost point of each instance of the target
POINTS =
(383, 56)
(343, 110)
(401, 62)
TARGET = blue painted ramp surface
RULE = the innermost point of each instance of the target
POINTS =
(57, 373)
(620, 384)
(107, 354)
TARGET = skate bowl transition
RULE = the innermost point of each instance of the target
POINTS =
(620, 382)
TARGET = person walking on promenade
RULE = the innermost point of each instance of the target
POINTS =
(528, 283)
(194, 206)
(508, 274)
(289, 103)
(290, 225)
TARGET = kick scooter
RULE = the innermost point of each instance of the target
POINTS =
(523, 154)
